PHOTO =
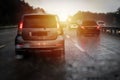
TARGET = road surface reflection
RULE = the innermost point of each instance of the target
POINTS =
(41, 67)
(89, 44)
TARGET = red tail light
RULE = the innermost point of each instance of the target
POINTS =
(98, 27)
(82, 27)
(21, 25)
(20, 28)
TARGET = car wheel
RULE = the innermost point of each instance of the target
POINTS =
(19, 55)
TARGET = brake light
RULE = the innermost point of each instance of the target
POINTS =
(82, 27)
(20, 28)
(21, 25)
(98, 27)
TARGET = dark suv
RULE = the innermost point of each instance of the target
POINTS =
(39, 33)
(88, 28)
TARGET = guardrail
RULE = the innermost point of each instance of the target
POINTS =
(111, 30)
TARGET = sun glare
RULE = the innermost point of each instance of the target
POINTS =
(63, 16)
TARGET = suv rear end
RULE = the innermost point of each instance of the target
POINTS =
(88, 28)
(39, 33)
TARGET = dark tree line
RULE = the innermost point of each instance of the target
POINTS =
(117, 15)
(12, 10)
(112, 18)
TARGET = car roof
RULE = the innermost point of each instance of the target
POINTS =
(88, 21)
(37, 14)
(34, 14)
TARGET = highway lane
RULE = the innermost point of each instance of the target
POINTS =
(86, 58)
(6, 36)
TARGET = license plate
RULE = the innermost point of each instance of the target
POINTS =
(41, 33)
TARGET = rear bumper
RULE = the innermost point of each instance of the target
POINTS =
(37, 47)
(90, 32)
(39, 50)
(22, 46)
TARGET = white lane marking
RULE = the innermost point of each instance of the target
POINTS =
(80, 48)
(1, 46)
(74, 41)
(71, 39)
(76, 44)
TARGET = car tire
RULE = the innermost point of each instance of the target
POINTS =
(19, 55)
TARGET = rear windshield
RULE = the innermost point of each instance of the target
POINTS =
(89, 23)
(40, 21)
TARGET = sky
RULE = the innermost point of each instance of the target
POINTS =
(65, 8)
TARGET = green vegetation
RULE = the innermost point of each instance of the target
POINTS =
(112, 18)
(12, 10)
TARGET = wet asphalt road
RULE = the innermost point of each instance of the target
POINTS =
(86, 58)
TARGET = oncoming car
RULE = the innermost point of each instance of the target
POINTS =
(73, 26)
(39, 33)
(88, 28)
